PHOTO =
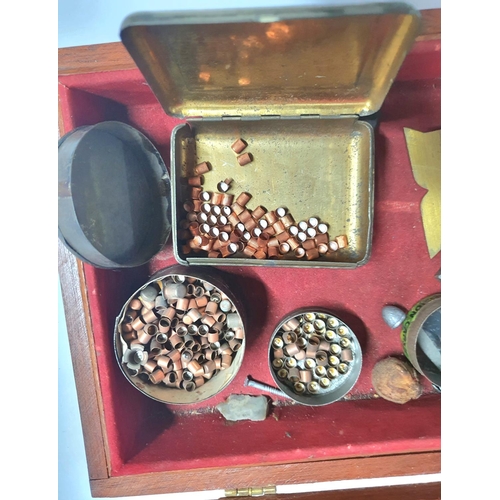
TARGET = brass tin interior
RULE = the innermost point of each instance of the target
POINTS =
(274, 61)
(315, 168)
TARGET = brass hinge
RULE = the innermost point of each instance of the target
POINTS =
(251, 492)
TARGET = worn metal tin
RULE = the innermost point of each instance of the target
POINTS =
(293, 83)
(211, 387)
(340, 385)
(421, 337)
(113, 195)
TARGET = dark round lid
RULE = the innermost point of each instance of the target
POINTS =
(113, 196)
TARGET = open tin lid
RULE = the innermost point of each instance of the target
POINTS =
(273, 61)
(113, 195)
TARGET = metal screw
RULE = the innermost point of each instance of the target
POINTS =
(264, 387)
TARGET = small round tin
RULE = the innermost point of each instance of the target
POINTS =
(322, 357)
(421, 337)
(113, 195)
(196, 359)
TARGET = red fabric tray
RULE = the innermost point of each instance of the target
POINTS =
(147, 436)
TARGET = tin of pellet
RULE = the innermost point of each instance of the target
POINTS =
(213, 384)
(322, 393)
(128, 222)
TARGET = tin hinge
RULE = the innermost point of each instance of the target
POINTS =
(251, 492)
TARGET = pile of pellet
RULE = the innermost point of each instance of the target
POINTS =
(180, 331)
(311, 350)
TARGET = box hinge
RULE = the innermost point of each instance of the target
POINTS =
(250, 492)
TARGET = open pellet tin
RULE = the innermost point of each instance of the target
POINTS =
(147, 363)
(113, 196)
(314, 357)
(301, 87)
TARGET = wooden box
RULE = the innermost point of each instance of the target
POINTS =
(136, 446)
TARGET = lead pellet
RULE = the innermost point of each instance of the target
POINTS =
(344, 342)
(335, 349)
(320, 371)
(332, 373)
(299, 387)
(313, 387)
(310, 363)
(343, 368)
(277, 363)
(333, 360)
(290, 362)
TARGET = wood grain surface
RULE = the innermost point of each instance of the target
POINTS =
(269, 475)
(427, 491)
(79, 328)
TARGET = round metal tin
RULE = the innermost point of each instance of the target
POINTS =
(113, 195)
(211, 387)
(342, 383)
(421, 337)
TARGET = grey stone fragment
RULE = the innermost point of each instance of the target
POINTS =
(243, 407)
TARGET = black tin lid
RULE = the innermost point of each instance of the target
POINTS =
(113, 196)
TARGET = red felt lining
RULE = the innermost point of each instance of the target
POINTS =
(146, 436)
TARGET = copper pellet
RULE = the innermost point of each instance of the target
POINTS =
(270, 231)
(157, 376)
(214, 254)
(308, 244)
(194, 181)
(229, 249)
(258, 212)
(150, 366)
(271, 217)
(263, 239)
(312, 254)
(299, 252)
(322, 248)
(138, 324)
(288, 220)
(284, 248)
(321, 238)
(243, 199)
(249, 251)
(294, 244)
(278, 227)
(227, 200)
(177, 343)
(291, 349)
(250, 225)
(135, 304)
(216, 198)
(333, 246)
(237, 207)
(260, 254)
(341, 241)
(245, 216)
(196, 205)
(234, 219)
(238, 146)
(188, 206)
(226, 362)
(293, 374)
(283, 237)
(163, 325)
(305, 376)
(202, 168)
(195, 193)
(272, 252)
(244, 159)
(254, 243)
(346, 355)
(164, 362)
(194, 367)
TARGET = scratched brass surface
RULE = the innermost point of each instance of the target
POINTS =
(287, 61)
(425, 157)
(314, 167)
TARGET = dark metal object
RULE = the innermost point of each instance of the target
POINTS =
(113, 196)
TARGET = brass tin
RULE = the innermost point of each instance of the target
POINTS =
(211, 387)
(294, 83)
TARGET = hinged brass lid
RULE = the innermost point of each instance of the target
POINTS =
(274, 61)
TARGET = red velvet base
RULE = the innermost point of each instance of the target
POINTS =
(146, 436)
